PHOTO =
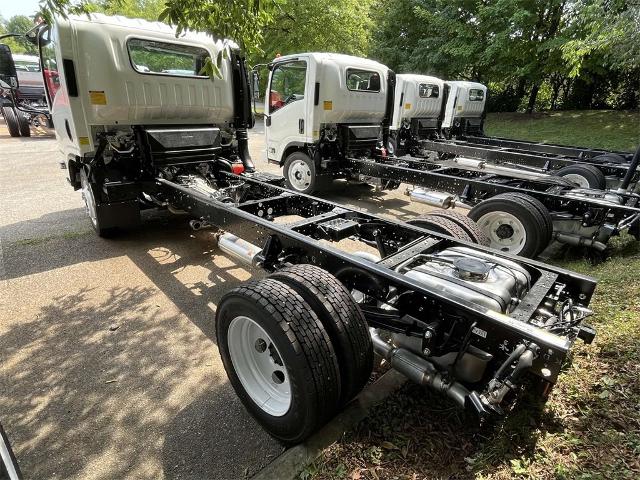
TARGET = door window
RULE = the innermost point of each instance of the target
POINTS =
(287, 84)
(476, 95)
(363, 80)
(427, 90)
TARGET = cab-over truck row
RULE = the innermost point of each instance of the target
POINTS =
(139, 127)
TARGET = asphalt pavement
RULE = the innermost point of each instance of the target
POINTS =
(108, 360)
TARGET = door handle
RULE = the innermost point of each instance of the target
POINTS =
(267, 120)
(301, 126)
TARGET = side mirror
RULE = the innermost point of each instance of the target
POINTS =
(8, 75)
(255, 84)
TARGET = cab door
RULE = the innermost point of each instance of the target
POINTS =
(286, 108)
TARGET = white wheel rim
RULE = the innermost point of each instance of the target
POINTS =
(259, 366)
(577, 179)
(390, 148)
(505, 231)
(89, 200)
(299, 175)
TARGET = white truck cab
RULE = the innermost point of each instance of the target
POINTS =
(130, 104)
(321, 107)
(417, 109)
(127, 78)
(465, 108)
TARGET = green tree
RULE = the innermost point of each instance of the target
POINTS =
(318, 25)
(146, 9)
(19, 24)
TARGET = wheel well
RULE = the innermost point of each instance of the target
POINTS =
(295, 147)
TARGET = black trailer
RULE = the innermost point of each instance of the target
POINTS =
(520, 211)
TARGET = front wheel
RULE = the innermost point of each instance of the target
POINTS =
(91, 205)
(301, 174)
(279, 358)
(23, 123)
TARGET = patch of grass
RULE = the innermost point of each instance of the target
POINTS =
(29, 242)
(607, 129)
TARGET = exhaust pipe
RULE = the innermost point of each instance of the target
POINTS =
(417, 369)
(238, 248)
(578, 241)
(436, 199)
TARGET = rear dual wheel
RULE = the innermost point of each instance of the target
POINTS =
(295, 347)
(17, 122)
(584, 176)
(453, 224)
(10, 117)
(515, 223)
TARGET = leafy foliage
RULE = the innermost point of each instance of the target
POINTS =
(318, 25)
(18, 24)
(555, 52)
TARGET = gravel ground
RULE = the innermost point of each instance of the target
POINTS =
(108, 359)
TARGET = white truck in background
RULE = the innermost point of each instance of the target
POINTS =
(320, 107)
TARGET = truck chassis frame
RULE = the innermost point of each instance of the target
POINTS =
(301, 242)
(472, 187)
(521, 153)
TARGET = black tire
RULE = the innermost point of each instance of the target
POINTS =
(522, 230)
(392, 146)
(441, 225)
(23, 122)
(91, 201)
(307, 179)
(586, 176)
(539, 206)
(612, 158)
(12, 120)
(342, 319)
(303, 346)
(469, 226)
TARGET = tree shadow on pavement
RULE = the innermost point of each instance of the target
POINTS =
(112, 381)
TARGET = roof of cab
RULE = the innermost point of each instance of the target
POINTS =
(415, 77)
(336, 57)
(138, 24)
(466, 83)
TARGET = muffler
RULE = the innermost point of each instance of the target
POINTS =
(435, 199)
(418, 369)
(238, 248)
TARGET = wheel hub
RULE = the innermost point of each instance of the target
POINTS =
(259, 366)
(505, 231)
(299, 175)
